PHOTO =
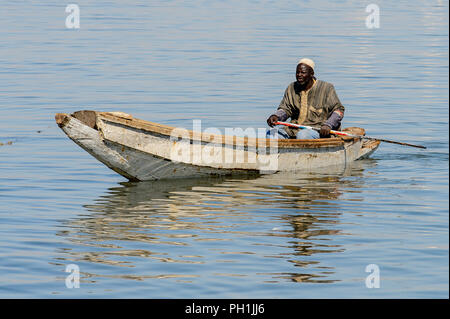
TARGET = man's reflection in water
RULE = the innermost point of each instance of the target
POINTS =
(312, 224)
(181, 213)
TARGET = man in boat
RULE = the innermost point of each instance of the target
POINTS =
(308, 102)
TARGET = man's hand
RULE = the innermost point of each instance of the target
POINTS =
(272, 120)
(325, 131)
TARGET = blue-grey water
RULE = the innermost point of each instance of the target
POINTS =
(226, 63)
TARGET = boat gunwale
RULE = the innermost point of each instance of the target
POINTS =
(166, 130)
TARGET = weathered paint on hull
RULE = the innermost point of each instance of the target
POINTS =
(140, 154)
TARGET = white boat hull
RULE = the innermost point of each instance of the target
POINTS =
(139, 151)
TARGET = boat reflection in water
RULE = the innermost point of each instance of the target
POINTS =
(276, 227)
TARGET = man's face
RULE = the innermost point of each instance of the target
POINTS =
(304, 74)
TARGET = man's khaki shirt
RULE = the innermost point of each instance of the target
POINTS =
(312, 107)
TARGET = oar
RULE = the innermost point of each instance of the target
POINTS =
(347, 134)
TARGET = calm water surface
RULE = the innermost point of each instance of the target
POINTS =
(226, 63)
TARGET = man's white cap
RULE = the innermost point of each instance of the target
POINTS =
(308, 62)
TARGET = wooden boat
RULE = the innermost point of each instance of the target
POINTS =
(140, 150)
